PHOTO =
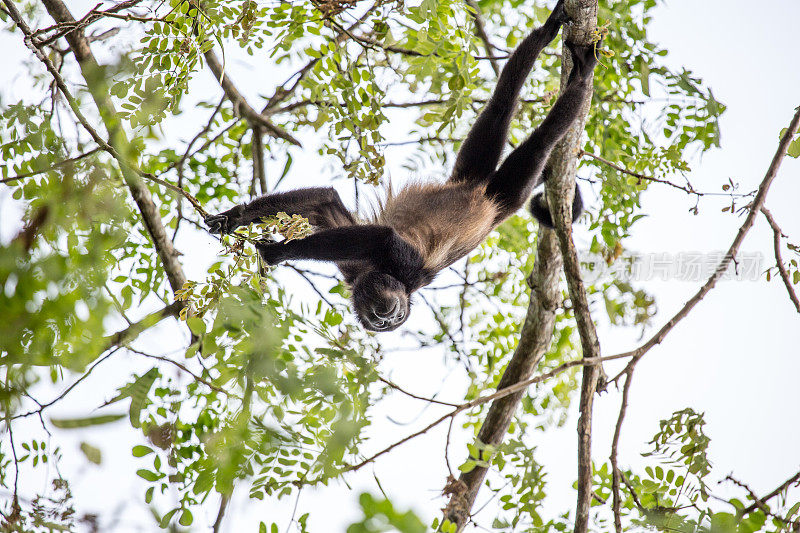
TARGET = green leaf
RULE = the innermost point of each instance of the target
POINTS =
(147, 475)
(167, 517)
(794, 148)
(138, 392)
(92, 453)
(141, 451)
(468, 466)
(186, 518)
(644, 76)
(73, 423)
(197, 325)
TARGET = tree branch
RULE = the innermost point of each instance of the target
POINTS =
(753, 210)
(240, 105)
(560, 188)
(615, 472)
(480, 31)
(777, 233)
(780, 488)
(535, 337)
(118, 144)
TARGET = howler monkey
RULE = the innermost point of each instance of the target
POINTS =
(424, 228)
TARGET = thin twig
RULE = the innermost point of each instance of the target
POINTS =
(183, 367)
(397, 387)
(777, 234)
(779, 489)
(753, 210)
(615, 472)
(69, 389)
(52, 167)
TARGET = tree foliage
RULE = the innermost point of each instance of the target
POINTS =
(276, 392)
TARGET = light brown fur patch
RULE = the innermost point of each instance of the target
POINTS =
(443, 221)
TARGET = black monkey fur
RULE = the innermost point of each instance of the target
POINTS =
(424, 228)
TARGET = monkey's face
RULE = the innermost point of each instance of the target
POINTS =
(380, 301)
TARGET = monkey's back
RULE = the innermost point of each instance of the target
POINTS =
(443, 221)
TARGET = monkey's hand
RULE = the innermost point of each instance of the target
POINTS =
(559, 15)
(226, 221)
(584, 58)
(271, 252)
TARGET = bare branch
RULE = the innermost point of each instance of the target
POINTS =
(62, 28)
(502, 393)
(777, 233)
(184, 368)
(688, 188)
(753, 210)
(69, 389)
(641, 177)
(240, 105)
(795, 479)
(398, 388)
(615, 472)
(54, 166)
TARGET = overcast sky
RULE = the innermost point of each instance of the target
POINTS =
(735, 358)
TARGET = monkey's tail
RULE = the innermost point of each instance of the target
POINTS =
(541, 211)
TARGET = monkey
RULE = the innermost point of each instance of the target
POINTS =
(425, 227)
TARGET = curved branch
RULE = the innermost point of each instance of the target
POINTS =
(753, 211)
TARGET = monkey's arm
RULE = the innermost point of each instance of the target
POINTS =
(481, 150)
(321, 206)
(377, 245)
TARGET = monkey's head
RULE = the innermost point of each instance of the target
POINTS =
(380, 301)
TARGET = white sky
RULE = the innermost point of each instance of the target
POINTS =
(735, 358)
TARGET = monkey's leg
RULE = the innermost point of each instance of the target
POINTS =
(322, 206)
(483, 146)
(511, 185)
